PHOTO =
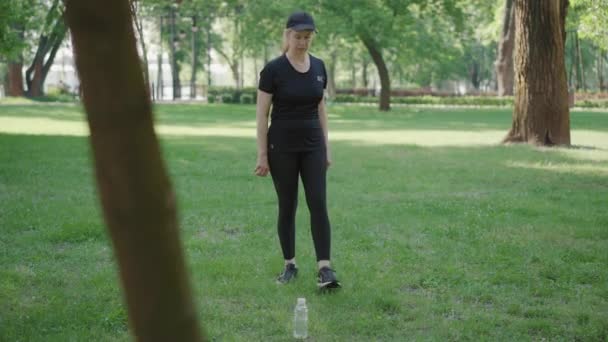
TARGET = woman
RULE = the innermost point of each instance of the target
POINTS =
(296, 142)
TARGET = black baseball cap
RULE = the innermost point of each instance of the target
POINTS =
(301, 21)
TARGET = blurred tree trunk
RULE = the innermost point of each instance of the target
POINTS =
(195, 63)
(474, 73)
(331, 70)
(541, 114)
(177, 86)
(504, 58)
(353, 72)
(580, 70)
(15, 70)
(600, 69)
(15, 78)
(160, 93)
(364, 77)
(136, 195)
(385, 83)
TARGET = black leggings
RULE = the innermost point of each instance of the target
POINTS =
(311, 166)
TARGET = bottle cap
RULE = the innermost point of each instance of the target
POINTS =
(302, 301)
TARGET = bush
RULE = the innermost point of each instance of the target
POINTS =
(247, 99)
(346, 98)
(432, 100)
(211, 98)
(227, 98)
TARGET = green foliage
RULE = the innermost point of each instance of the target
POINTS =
(15, 18)
(593, 20)
(247, 99)
(458, 100)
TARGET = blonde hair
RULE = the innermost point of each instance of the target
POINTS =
(285, 45)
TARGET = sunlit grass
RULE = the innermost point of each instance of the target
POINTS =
(563, 167)
(356, 130)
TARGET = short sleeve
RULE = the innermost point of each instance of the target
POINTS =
(267, 80)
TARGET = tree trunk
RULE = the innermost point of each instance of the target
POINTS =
(331, 85)
(15, 78)
(136, 195)
(209, 75)
(504, 58)
(571, 80)
(159, 76)
(234, 67)
(177, 86)
(385, 83)
(474, 73)
(137, 21)
(34, 84)
(540, 115)
(580, 73)
(48, 44)
(5, 83)
(353, 72)
(194, 59)
(364, 74)
(600, 70)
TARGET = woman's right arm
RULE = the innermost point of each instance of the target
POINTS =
(262, 108)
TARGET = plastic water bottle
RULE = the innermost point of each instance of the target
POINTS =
(300, 319)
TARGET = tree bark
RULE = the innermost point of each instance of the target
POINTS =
(15, 78)
(474, 73)
(540, 115)
(600, 72)
(504, 58)
(159, 76)
(177, 86)
(333, 62)
(385, 83)
(353, 72)
(233, 63)
(580, 70)
(364, 74)
(194, 59)
(136, 195)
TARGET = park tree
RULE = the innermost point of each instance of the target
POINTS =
(588, 26)
(382, 27)
(139, 206)
(593, 21)
(504, 58)
(540, 114)
(14, 21)
(35, 31)
(51, 36)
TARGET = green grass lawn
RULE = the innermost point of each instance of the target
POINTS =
(439, 232)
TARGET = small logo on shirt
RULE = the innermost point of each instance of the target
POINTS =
(320, 78)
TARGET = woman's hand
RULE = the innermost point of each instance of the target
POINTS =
(261, 167)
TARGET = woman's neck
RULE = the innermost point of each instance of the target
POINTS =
(296, 56)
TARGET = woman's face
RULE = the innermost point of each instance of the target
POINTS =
(300, 40)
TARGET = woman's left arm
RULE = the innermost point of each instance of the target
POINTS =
(323, 119)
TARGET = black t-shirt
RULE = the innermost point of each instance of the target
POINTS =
(295, 124)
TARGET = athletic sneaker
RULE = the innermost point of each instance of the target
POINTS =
(290, 272)
(327, 279)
